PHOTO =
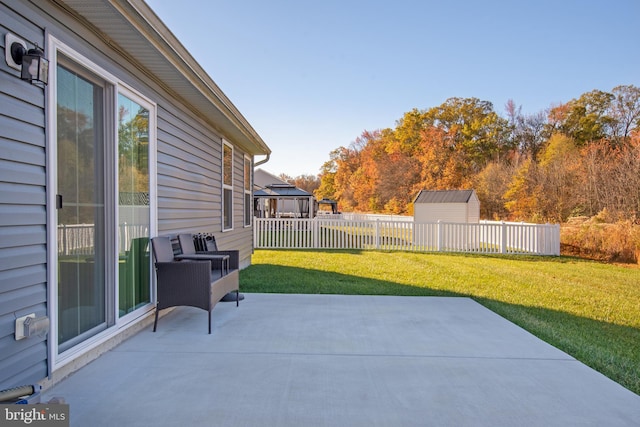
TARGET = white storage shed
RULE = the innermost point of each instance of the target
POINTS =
(461, 206)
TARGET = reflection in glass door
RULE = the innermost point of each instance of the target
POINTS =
(133, 206)
(80, 208)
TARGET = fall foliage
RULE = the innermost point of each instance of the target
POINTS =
(578, 158)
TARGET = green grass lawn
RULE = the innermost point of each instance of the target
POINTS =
(587, 309)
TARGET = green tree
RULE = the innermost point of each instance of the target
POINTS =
(474, 129)
(587, 118)
(327, 188)
(407, 135)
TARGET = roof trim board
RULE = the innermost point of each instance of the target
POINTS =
(167, 60)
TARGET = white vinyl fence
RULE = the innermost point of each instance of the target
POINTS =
(78, 239)
(373, 217)
(485, 237)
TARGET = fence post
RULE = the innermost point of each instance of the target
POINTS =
(503, 238)
(64, 239)
(440, 236)
(255, 232)
(314, 233)
(377, 234)
(126, 236)
(548, 239)
(412, 233)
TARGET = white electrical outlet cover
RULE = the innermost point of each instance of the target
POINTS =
(20, 325)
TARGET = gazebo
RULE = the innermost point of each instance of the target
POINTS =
(331, 204)
(283, 201)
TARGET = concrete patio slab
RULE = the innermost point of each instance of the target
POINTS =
(329, 360)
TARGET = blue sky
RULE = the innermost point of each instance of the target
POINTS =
(311, 76)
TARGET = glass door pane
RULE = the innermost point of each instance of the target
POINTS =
(81, 208)
(133, 206)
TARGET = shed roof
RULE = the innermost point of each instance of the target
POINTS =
(443, 196)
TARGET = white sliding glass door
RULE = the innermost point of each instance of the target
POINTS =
(80, 202)
(103, 171)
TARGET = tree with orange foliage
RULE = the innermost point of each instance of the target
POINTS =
(576, 158)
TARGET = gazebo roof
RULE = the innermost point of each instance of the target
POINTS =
(282, 190)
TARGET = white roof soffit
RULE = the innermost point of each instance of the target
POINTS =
(132, 28)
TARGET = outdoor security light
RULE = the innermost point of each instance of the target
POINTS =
(35, 67)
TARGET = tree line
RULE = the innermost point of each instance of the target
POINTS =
(579, 158)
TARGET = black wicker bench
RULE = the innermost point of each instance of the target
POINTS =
(200, 281)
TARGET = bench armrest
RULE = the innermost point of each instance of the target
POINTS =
(234, 257)
(181, 283)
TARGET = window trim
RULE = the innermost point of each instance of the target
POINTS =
(227, 187)
(247, 191)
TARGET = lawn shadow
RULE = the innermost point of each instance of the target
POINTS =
(271, 278)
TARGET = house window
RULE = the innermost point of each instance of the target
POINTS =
(247, 192)
(227, 186)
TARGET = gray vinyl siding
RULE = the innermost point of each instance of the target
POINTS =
(189, 171)
(189, 181)
(22, 210)
(189, 168)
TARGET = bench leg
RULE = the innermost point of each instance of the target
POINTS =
(238, 297)
(209, 321)
(155, 323)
